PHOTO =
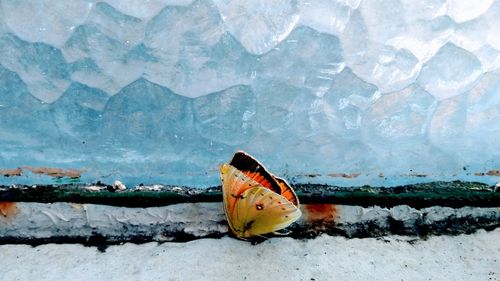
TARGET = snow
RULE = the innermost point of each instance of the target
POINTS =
(464, 257)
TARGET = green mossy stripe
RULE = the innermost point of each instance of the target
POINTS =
(451, 194)
(81, 194)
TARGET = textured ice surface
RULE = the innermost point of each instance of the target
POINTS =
(449, 72)
(346, 92)
(48, 22)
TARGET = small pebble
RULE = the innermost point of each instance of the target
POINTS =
(118, 185)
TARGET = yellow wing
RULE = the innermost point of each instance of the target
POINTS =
(252, 209)
(261, 211)
(234, 184)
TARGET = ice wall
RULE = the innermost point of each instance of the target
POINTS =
(347, 92)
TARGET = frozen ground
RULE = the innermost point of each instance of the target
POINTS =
(465, 257)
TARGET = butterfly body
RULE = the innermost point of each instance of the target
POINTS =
(256, 202)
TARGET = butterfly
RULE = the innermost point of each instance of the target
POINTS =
(255, 201)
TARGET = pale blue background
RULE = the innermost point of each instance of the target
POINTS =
(164, 91)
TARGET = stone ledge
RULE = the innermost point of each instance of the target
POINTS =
(97, 214)
(36, 223)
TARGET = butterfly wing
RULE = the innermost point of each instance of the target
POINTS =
(261, 211)
(287, 191)
(255, 170)
(252, 209)
(234, 184)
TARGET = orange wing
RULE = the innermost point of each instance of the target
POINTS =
(256, 171)
(234, 184)
(287, 191)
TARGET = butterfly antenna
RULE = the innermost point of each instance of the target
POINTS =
(282, 233)
(259, 239)
(263, 237)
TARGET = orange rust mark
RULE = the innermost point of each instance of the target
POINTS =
(8, 209)
(320, 212)
(56, 172)
(489, 173)
(45, 171)
(11, 173)
(493, 173)
(345, 175)
(77, 206)
(73, 174)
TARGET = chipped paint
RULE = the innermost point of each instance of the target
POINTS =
(494, 173)
(319, 213)
(55, 216)
(344, 175)
(8, 209)
(95, 187)
(418, 175)
(56, 172)
(11, 173)
(118, 186)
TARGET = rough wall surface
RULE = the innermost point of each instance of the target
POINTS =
(164, 91)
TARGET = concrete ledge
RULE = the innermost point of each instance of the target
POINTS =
(98, 214)
(37, 223)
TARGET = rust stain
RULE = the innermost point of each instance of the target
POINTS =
(320, 213)
(489, 173)
(345, 175)
(11, 173)
(76, 206)
(493, 173)
(8, 209)
(45, 171)
(73, 174)
(56, 172)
